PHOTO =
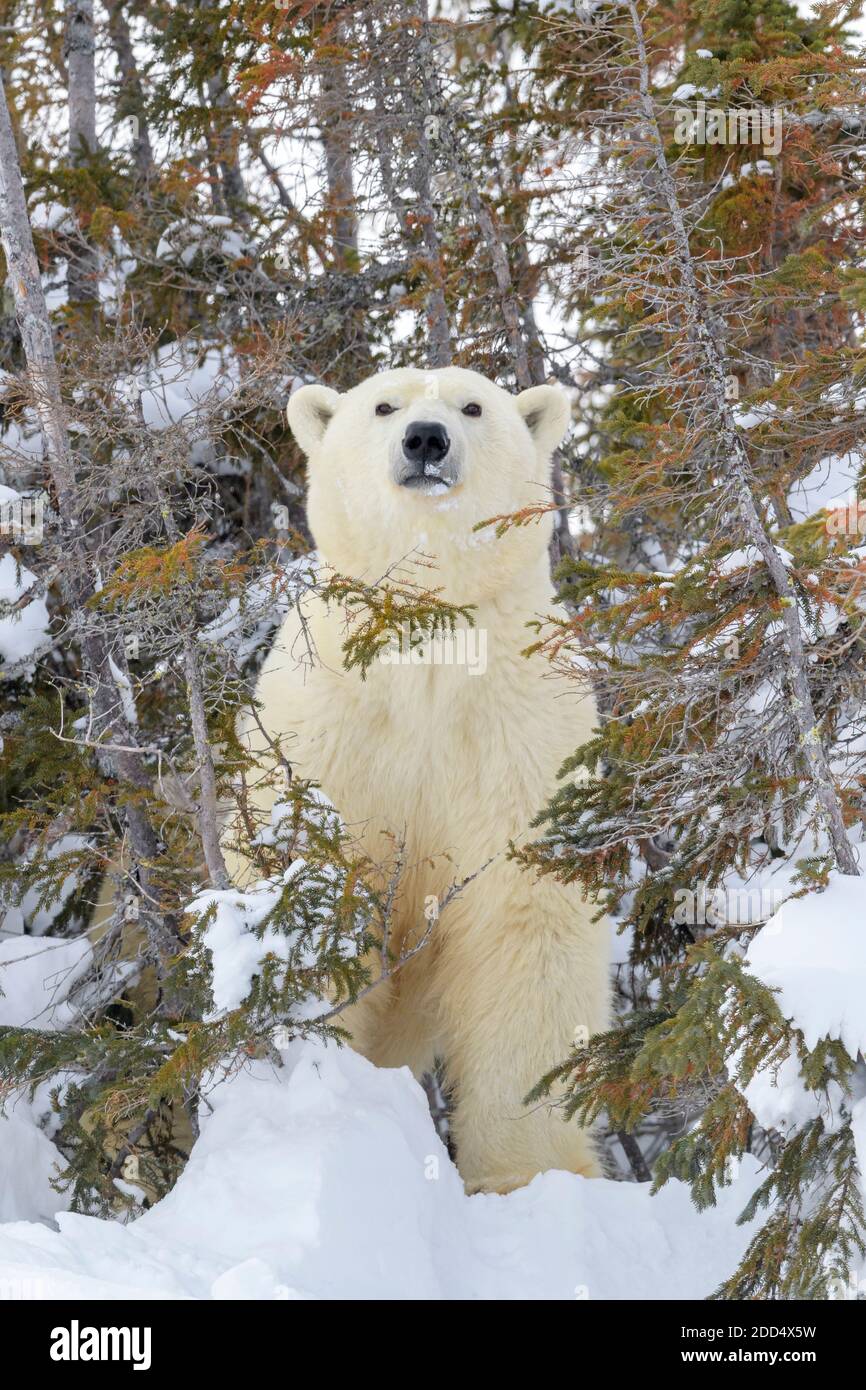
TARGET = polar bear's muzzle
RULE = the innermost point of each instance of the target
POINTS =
(426, 461)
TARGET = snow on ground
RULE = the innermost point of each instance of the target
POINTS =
(326, 1179)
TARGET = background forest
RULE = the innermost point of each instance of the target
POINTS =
(655, 203)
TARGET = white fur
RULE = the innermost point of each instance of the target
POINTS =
(456, 764)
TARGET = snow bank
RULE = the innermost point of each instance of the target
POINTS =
(326, 1179)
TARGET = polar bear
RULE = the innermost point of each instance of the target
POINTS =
(454, 759)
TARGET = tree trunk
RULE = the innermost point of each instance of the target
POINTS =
(226, 150)
(80, 53)
(130, 98)
(208, 805)
(439, 346)
(230, 194)
(335, 126)
(510, 309)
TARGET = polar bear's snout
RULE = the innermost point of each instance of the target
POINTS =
(426, 456)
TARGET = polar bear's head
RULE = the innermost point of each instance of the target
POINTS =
(409, 461)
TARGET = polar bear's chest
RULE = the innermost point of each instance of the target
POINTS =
(437, 756)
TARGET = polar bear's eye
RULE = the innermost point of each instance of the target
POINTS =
(383, 408)
(472, 409)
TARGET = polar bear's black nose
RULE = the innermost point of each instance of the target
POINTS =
(425, 441)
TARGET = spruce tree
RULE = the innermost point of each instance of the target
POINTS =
(719, 622)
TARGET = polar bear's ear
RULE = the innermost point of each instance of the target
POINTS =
(309, 412)
(547, 411)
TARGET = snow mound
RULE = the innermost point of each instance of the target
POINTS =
(813, 950)
(326, 1179)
